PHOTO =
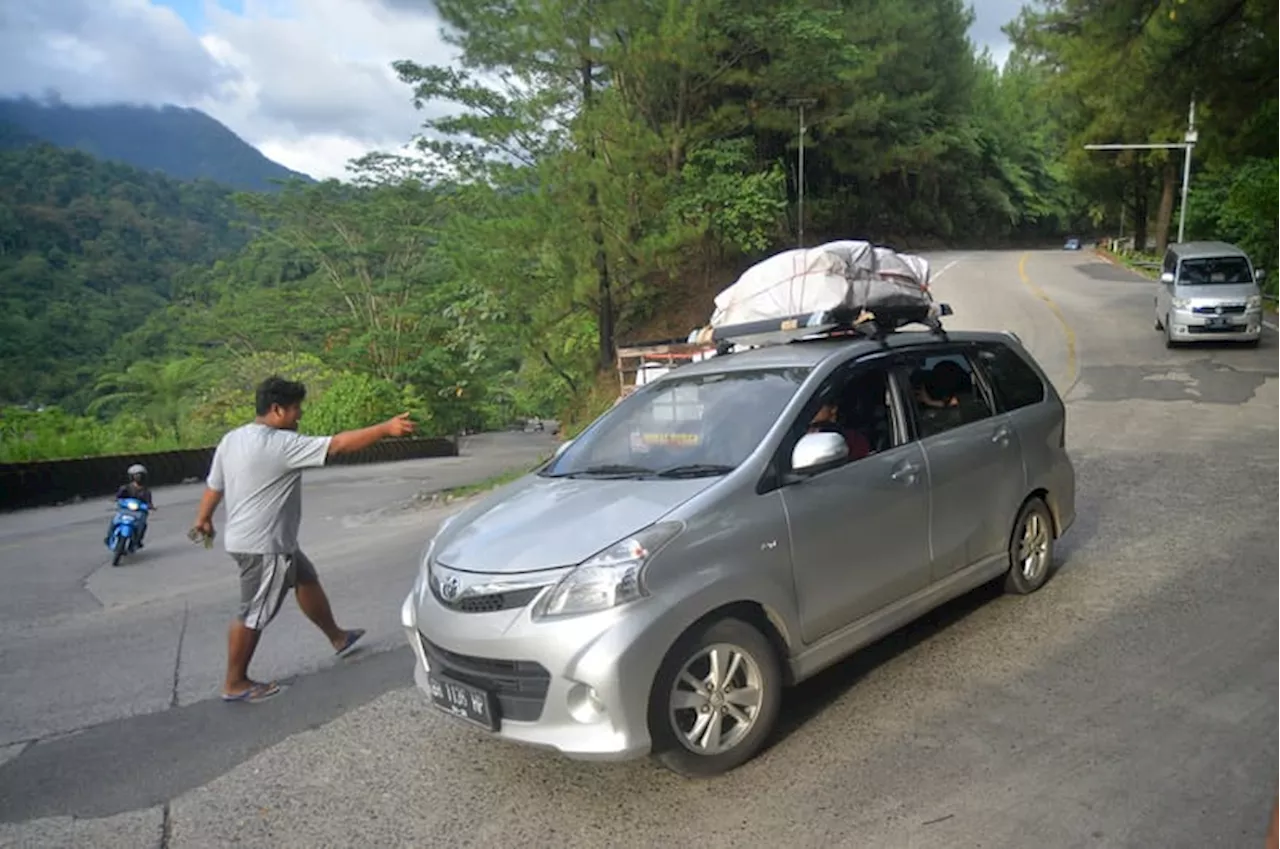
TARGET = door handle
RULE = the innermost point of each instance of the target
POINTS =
(1001, 435)
(906, 472)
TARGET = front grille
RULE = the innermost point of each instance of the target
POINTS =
(520, 686)
(491, 603)
(1226, 328)
(1234, 309)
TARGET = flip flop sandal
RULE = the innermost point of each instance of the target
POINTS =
(353, 637)
(256, 693)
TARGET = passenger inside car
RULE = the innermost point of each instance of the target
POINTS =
(866, 405)
(827, 420)
(945, 395)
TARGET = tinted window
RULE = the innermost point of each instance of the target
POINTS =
(1226, 270)
(706, 424)
(1014, 381)
(946, 393)
(1170, 262)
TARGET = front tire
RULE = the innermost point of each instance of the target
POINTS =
(715, 699)
(118, 551)
(1168, 336)
(1030, 549)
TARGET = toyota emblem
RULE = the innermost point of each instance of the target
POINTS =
(1218, 310)
(450, 588)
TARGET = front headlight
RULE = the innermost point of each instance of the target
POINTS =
(424, 565)
(1181, 303)
(1254, 302)
(609, 578)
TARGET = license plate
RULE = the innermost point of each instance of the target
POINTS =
(1217, 322)
(463, 701)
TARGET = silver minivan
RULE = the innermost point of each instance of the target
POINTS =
(1208, 291)
(733, 528)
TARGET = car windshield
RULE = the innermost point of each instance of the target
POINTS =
(697, 426)
(1226, 270)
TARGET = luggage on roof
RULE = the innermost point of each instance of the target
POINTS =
(807, 291)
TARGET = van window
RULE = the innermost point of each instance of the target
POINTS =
(946, 393)
(1015, 382)
(1209, 271)
(1170, 262)
(699, 425)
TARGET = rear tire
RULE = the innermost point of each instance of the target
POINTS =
(1030, 548)
(118, 552)
(723, 722)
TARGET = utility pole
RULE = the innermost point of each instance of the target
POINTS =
(801, 102)
(1188, 142)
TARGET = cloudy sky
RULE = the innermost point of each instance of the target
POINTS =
(306, 81)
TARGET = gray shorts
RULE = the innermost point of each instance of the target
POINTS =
(265, 579)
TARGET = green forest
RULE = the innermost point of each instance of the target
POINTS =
(605, 169)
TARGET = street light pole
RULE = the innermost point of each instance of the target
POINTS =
(1190, 138)
(801, 102)
(1186, 145)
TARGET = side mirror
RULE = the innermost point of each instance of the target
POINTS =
(1260, 275)
(817, 451)
(1166, 277)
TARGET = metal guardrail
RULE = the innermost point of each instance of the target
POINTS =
(46, 482)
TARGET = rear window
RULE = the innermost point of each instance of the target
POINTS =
(1015, 382)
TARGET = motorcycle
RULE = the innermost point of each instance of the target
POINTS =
(126, 528)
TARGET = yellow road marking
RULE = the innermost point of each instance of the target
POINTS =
(1073, 368)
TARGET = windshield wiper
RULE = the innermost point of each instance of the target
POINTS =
(610, 469)
(695, 470)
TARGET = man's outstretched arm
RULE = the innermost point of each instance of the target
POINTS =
(350, 441)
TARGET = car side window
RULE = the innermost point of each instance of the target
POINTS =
(1015, 383)
(946, 392)
(1170, 262)
(856, 402)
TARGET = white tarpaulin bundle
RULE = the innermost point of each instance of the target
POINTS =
(847, 274)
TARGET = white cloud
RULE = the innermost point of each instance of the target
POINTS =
(95, 51)
(308, 82)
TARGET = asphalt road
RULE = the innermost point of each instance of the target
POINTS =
(1131, 702)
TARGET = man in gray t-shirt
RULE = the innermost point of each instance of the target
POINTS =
(257, 468)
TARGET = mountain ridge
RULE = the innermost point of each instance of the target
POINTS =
(180, 142)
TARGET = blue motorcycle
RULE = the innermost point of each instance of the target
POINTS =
(126, 528)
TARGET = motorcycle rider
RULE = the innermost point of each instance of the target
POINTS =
(136, 487)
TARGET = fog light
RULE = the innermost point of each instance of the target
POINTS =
(584, 704)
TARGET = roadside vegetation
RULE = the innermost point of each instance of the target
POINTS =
(631, 160)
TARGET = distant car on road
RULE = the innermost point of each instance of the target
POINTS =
(1208, 291)
(735, 527)
(1073, 244)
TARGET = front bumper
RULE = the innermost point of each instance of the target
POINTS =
(1188, 326)
(579, 686)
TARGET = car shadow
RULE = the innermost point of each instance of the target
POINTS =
(805, 701)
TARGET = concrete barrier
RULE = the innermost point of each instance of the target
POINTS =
(48, 482)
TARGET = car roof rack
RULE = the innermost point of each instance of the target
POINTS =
(824, 324)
